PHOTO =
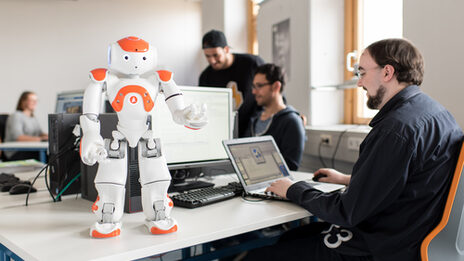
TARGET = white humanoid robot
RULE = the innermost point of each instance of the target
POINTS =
(133, 98)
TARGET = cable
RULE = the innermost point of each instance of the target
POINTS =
(69, 184)
(32, 183)
(320, 155)
(336, 147)
(65, 150)
(244, 197)
(46, 183)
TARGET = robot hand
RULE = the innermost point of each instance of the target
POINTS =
(194, 116)
(92, 149)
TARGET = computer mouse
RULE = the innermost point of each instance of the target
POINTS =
(318, 176)
(22, 188)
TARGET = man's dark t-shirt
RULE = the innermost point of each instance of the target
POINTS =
(242, 72)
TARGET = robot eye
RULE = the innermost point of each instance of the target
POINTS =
(144, 58)
(126, 57)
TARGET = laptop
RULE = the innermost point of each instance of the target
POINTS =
(258, 162)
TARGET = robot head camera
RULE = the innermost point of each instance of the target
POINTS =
(132, 56)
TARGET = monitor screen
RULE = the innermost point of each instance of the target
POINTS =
(181, 145)
(69, 102)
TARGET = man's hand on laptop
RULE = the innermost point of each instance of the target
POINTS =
(331, 176)
(280, 187)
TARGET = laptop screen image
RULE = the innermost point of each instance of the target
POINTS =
(256, 160)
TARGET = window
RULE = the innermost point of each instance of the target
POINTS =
(367, 21)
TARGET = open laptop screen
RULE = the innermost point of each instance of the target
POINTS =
(258, 161)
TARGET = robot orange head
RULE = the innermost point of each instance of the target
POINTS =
(132, 55)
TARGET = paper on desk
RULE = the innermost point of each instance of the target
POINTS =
(325, 187)
(20, 166)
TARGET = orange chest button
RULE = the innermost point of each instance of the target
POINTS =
(133, 99)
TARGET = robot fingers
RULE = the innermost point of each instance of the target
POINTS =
(101, 155)
(92, 150)
(195, 116)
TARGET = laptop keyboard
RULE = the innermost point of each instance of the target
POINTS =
(205, 196)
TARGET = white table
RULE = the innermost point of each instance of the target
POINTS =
(60, 231)
(40, 146)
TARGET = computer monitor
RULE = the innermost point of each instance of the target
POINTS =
(69, 102)
(184, 147)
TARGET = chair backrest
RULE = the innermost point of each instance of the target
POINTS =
(3, 118)
(448, 244)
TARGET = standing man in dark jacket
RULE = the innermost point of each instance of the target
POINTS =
(277, 119)
(233, 70)
(398, 186)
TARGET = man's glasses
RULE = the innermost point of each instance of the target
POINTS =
(260, 85)
(361, 72)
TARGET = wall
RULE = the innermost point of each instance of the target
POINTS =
(228, 16)
(437, 31)
(49, 46)
(272, 12)
(316, 54)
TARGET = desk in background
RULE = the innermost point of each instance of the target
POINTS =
(56, 231)
(40, 146)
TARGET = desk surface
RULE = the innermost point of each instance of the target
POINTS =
(56, 231)
(24, 144)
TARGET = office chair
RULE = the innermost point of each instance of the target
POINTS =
(446, 240)
(3, 118)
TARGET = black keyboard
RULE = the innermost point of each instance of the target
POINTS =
(205, 196)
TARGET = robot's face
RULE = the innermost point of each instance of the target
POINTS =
(132, 55)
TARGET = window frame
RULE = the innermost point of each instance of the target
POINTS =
(353, 107)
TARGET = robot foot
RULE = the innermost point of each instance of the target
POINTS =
(165, 226)
(104, 230)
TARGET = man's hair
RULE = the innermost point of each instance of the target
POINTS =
(402, 55)
(213, 39)
(273, 73)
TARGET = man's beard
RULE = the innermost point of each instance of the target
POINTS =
(373, 102)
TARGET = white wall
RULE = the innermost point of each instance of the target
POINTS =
(49, 46)
(272, 12)
(436, 29)
(327, 61)
(228, 16)
(316, 31)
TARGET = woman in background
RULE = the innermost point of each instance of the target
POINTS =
(23, 126)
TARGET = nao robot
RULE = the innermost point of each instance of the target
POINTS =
(133, 98)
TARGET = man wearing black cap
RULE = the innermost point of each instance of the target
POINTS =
(226, 68)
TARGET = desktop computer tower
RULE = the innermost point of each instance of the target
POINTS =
(64, 161)
(133, 201)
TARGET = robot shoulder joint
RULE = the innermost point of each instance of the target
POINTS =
(99, 75)
(164, 75)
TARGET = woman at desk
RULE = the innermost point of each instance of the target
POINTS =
(23, 126)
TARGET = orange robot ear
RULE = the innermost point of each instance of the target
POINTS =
(133, 44)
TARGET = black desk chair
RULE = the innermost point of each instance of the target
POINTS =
(3, 118)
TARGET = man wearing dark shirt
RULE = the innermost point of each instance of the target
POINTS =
(398, 186)
(228, 69)
(276, 118)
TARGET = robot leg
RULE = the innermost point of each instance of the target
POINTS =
(110, 184)
(155, 180)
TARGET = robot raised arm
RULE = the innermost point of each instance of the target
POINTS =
(92, 144)
(192, 116)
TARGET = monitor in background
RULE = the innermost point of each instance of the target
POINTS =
(190, 153)
(69, 102)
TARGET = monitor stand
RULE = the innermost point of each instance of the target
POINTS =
(180, 183)
(189, 185)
